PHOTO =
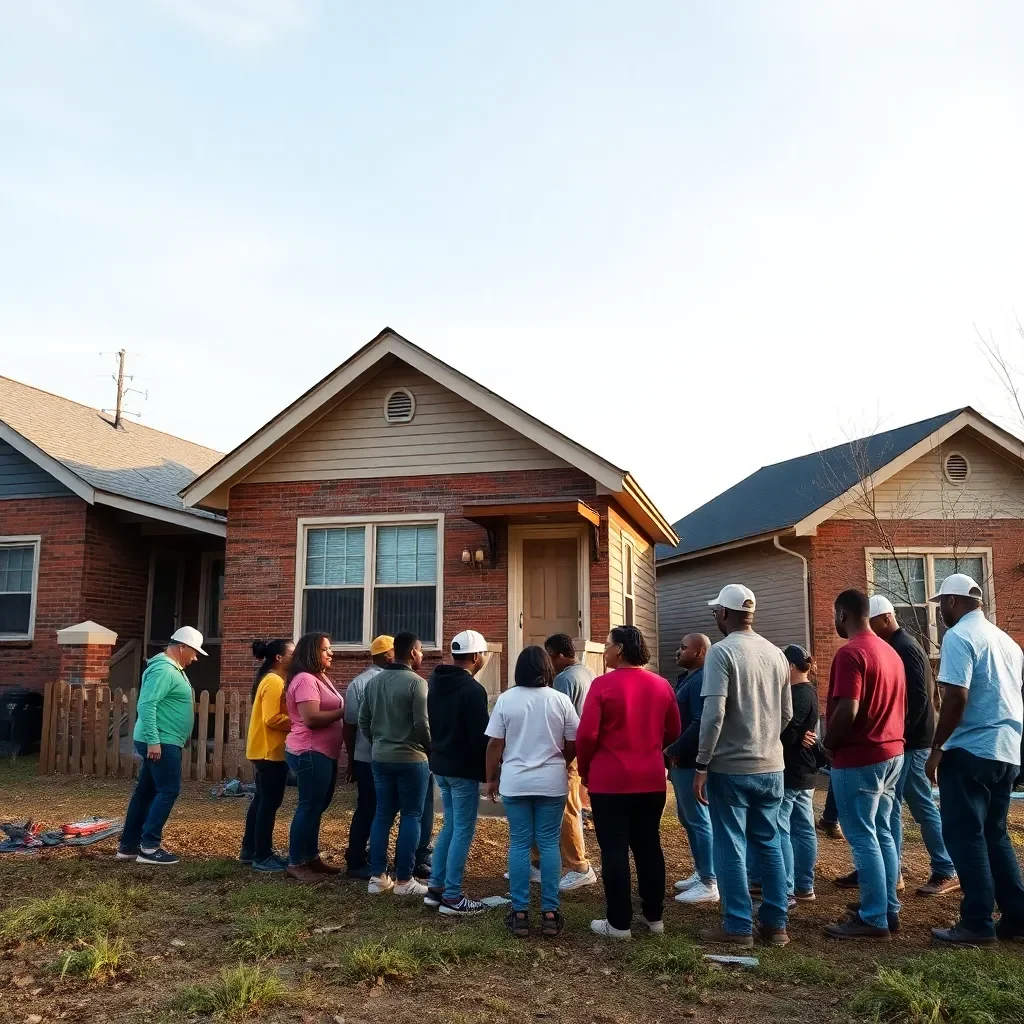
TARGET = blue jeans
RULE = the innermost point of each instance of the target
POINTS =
(696, 821)
(460, 799)
(362, 816)
(157, 788)
(534, 820)
(799, 840)
(401, 789)
(745, 808)
(914, 787)
(316, 775)
(865, 798)
(424, 850)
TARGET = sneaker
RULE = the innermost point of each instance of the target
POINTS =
(699, 893)
(720, 937)
(894, 919)
(855, 927)
(534, 875)
(381, 883)
(847, 881)
(606, 931)
(778, 937)
(655, 927)
(422, 871)
(410, 888)
(245, 858)
(269, 865)
(462, 907)
(124, 853)
(577, 880)
(939, 885)
(363, 874)
(791, 903)
(958, 935)
(434, 897)
(687, 883)
(829, 829)
(158, 858)
(804, 896)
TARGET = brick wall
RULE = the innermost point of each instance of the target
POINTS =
(61, 524)
(261, 540)
(837, 562)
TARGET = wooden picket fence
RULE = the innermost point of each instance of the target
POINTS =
(88, 731)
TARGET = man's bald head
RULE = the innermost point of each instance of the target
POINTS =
(692, 651)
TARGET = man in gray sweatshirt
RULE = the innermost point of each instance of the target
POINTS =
(740, 765)
(393, 716)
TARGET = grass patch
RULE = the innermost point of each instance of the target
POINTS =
(237, 992)
(71, 915)
(265, 935)
(282, 896)
(960, 987)
(670, 955)
(97, 960)
(796, 969)
(380, 963)
(208, 871)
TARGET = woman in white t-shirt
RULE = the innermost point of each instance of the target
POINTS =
(533, 738)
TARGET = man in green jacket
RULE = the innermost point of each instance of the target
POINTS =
(162, 727)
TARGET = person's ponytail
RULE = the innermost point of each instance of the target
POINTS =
(268, 651)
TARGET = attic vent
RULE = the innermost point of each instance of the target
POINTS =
(399, 406)
(957, 468)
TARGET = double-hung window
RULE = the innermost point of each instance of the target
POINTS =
(19, 565)
(909, 580)
(361, 579)
(628, 587)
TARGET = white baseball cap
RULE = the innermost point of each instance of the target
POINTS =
(735, 597)
(880, 606)
(190, 637)
(958, 585)
(469, 641)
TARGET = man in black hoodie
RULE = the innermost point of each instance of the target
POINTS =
(457, 710)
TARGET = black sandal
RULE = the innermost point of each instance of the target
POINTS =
(552, 924)
(518, 923)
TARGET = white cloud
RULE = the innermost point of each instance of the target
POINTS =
(239, 22)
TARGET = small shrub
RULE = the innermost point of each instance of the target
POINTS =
(64, 916)
(237, 992)
(266, 935)
(380, 963)
(98, 960)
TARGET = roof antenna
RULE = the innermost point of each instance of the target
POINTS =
(122, 391)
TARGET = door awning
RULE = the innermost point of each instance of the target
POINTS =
(490, 517)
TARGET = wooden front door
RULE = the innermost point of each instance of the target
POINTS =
(550, 589)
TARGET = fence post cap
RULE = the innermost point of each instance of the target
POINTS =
(86, 633)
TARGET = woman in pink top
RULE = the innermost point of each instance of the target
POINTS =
(630, 716)
(312, 749)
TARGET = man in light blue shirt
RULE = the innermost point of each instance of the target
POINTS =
(976, 759)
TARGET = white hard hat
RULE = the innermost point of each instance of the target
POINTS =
(469, 641)
(880, 605)
(736, 597)
(190, 637)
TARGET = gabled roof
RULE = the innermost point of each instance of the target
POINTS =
(211, 487)
(797, 494)
(134, 468)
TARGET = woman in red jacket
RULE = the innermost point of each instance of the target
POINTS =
(629, 718)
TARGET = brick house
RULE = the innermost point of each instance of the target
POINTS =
(92, 528)
(892, 513)
(398, 493)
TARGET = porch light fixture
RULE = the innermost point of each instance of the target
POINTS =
(474, 557)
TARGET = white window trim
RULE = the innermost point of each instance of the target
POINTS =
(929, 554)
(205, 594)
(35, 540)
(370, 569)
(628, 542)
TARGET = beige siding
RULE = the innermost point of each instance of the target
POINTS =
(645, 593)
(994, 490)
(447, 435)
(685, 588)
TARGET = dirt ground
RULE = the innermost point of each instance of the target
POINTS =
(185, 925)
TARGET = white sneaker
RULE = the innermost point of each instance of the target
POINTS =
(656, 927)
(413, 887)
(688, 883)
(534, 875)
(699, 893)
(606, 931)
(379, 884)
(577, 880)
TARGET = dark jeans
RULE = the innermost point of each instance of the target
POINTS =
(974, 800)
(401, 786)
(830, 815)
(271, 781)
(316, 775)
(157, 788)
(624, 822)
(362, 817)
(425, 847)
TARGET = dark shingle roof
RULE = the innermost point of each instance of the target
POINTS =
(779, 496)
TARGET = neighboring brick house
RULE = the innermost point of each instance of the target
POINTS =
(892, 513)
(92, 528)
(400, 494)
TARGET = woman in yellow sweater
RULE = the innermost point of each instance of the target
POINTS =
(264, 746)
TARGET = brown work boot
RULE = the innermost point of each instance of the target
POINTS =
(304, 873)
(847, 881)
(854, 927)
(829, 829)
(317, 865)
(720, 937)
(938, 885)
(773, 936)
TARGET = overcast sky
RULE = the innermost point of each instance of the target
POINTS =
(696, 237)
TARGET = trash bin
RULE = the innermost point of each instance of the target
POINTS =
(21, 721)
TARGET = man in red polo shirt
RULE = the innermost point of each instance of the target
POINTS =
(867, 703)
